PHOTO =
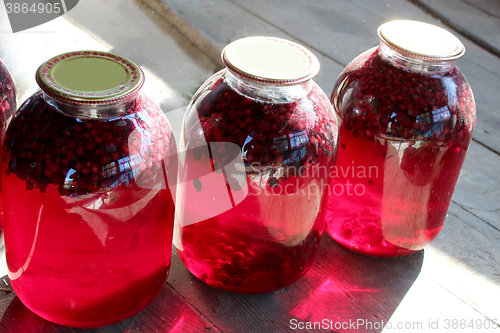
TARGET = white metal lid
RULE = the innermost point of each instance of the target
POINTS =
(270, 60)
(421, 40)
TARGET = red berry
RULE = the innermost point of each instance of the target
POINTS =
(104, 160)
(94, 168)
(80, 150)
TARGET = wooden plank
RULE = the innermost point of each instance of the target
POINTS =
(169, 312)
(465, 261)
(397, 9)
(489, 7)
(341, 31)
(219, 22)
(459, 281)
(151, 42)
(428, 307)
(478, 189)
(477, 25)
(6, 295)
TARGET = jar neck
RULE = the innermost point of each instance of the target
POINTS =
(403, 61)
(93, 111)
(267, 93)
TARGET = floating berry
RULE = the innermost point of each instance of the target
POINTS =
(273, 182)
(197, 185)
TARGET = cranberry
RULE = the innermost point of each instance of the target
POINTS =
(273, 182)
(197, 185)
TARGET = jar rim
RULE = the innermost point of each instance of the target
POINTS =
(90, 78)
(270, 60)
(421, 40)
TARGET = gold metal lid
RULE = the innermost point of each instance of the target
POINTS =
(90, 77)
(421, 40)
(270, 60)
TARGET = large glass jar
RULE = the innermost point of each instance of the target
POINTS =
(8, 104)
(256, 142)
(406, 119)
(88, 215)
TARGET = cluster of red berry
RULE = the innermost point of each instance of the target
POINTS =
(389, 100)
(294, 133)
(83, 155)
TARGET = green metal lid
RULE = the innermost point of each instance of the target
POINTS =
(421, 40)
(90, 77)
(270, 60)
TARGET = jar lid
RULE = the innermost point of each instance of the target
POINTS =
(421, 40)
(90, 77)
(270, 60)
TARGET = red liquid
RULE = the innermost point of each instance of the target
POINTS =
(257, 229)
(88, 217)
(401, 151)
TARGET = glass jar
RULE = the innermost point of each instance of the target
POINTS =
(256, 142)
(88, 215)
(8, 104)
(406, 119)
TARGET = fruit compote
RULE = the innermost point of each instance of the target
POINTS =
(253, 178)
(88, 215)
(405, 129)
(8, 104)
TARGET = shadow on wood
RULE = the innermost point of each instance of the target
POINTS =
(167, 313)
(341, 286)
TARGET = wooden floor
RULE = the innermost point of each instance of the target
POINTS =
(451, 286)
